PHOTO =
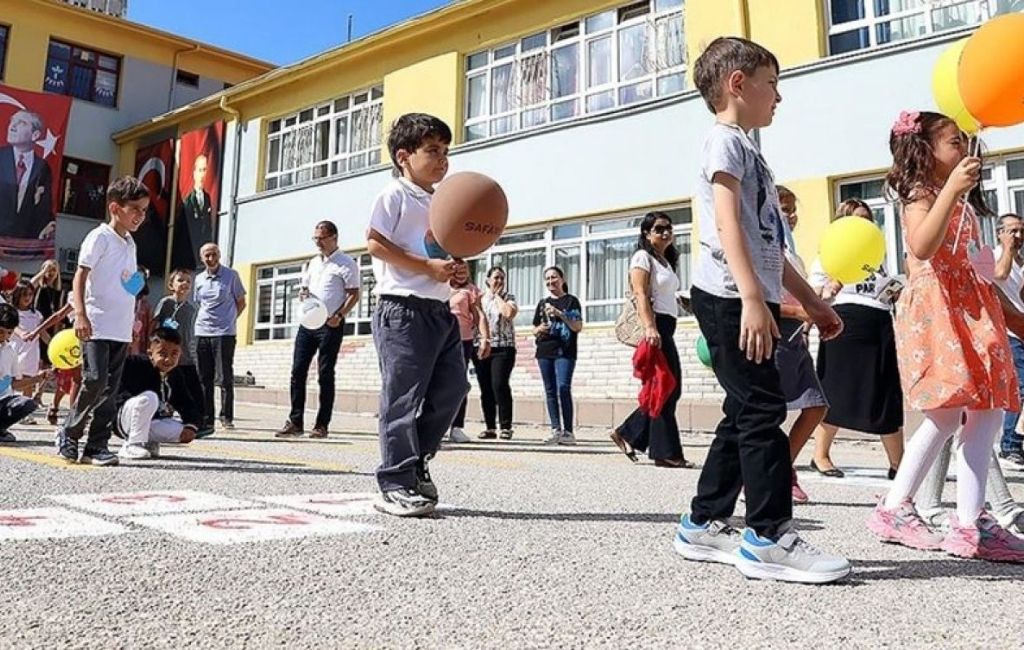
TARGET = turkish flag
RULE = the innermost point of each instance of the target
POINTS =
(33, 127)
(154, 166)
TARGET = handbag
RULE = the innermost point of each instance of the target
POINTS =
(628, 329)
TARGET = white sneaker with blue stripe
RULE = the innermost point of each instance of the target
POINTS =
(715, 541)
(790, 559)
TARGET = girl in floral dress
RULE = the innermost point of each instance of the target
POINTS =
(955, 362)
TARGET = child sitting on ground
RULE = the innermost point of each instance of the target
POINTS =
(153, 388)
(14, 406)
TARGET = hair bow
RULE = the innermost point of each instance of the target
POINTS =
(907, 123)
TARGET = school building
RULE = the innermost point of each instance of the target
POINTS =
(119, 74)
(585, 112)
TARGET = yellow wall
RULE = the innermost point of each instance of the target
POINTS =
(34, 22)
(247, 274)
(433, 86)
(792, 29)
(814, 207)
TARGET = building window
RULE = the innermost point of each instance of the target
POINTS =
(618, 57)
(861, 24)
(4, 33)
(277, 301)
(330, 139)
(185, 78)
(85, 74)
(594, 255)
(84, 188)
(1003, 184)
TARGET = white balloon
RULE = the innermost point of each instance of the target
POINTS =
(314, 314)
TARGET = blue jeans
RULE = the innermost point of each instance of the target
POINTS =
(557, 375)
(1011, 440)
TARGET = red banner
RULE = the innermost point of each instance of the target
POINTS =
(199, 167)
(154, 166)
(33, 127)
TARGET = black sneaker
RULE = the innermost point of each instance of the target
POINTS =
(424, 485)
(99, 457)
(1013, 458)
(403, 502)
(67, 447)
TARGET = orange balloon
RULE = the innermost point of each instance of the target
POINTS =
(992, 72)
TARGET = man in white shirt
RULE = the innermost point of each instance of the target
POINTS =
(332, 277)
(1010, 280)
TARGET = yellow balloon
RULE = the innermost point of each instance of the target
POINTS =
(65, 351)
(852, 248)
(946, 88)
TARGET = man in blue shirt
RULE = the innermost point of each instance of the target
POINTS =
(220, 296)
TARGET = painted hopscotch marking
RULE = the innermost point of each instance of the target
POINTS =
(52, 523)
(337, 504)
(255, 525)
(151, 502)
(855, 476)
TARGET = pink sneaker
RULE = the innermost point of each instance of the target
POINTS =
(986, 540)
(799, 496)
(902, 525)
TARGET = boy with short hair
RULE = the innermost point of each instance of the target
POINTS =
(103, 295)
(737, 289)
(423, 376)
(153, 388)
(14, 406)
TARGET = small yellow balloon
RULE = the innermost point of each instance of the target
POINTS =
(65, 350)
(946, 88)
(852, 248)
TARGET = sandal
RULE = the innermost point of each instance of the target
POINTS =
(675, 463)
(623, 446)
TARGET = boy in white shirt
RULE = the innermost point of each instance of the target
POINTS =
(417, 339)
(13, 405)
(103, 295)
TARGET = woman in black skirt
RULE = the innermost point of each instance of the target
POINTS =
(653, 279)
(858, 369)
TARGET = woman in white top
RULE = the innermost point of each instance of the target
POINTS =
(494, 370)
(859, 369)
(653, 279)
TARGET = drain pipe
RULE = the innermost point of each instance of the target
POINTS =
(235, 170)
(174, 72)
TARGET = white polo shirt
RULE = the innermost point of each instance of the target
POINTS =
(1011, 286)
(329, 278)
(110, 259)
(401, 213)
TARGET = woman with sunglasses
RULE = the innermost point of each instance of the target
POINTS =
(653, 279)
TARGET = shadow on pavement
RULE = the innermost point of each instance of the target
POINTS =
(867, 571)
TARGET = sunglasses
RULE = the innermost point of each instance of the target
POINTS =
(661, 230)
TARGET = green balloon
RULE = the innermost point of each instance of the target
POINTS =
(703, 353)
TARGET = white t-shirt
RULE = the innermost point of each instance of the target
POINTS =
(328, 279)
(28, 351)
(401, 213)
(111, 260)
(870, 292)
(1011, 286)
(664, 283)
(10, 369)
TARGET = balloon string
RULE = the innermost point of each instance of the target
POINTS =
(972, 151)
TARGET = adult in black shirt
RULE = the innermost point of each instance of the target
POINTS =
(556, 324)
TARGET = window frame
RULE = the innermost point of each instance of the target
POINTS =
(525, 115)
(65, 176)
(95, 67)
(5, 39)
(872, 22)
(369, 100)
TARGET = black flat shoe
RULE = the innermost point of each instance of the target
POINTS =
(835, 472)
(623, 446)
(892, 473)
(675, 463)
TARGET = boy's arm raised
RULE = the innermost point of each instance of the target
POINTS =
(758, 330)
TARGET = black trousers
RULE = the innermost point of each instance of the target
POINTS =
(324, 343)
(215, 357)
(493, 375)
(467, 355)
(423, 381)
(102, 363)
(749, 450)
(659, 436)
